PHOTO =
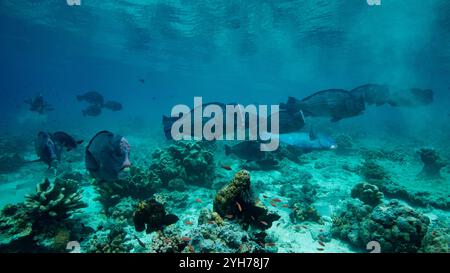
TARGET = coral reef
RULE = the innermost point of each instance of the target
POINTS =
(114, 241)
(437, 239)
(236, 200)
(432, 164)
(169, 242)
(15, 227)
(54, 202)
(192, 162)
(371, 170)
(397, 228)
(151, 215)
(123, 211)
(301, 212)
(139, 184)
(368, 193)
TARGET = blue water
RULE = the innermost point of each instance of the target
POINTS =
(230, 51)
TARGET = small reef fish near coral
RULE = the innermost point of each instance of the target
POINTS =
(101, 150)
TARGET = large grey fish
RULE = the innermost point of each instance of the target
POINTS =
(248, 150)
(412, 97)
(46, 149)
(92, 111)
(334, 103)
(92, 97)
(65, 140)
(372, 93)
(113, 106)
(107, 155)
(307, 142)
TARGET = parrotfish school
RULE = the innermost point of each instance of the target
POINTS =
(354, 97)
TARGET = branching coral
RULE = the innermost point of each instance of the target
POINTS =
(54, 202)
(433, 164)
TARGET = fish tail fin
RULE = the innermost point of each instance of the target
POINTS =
(228, 150)
(167, 124)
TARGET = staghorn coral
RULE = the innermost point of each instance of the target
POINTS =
(236, 200)
(151, 215)
(54, 202)
(192, 162)
(397, 228)
(368, 193)
(433, 164)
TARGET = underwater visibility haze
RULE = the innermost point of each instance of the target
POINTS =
(88, 162)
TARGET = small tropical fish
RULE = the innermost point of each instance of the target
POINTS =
(321, 243)
(285, 206)
(270, 244)
(188, 223)
(239, 206)
(229, 216)
(211, 222)
(277, 200)
(185, 239)
(273, 204)
(197, 200)
(264, 223)
(320, 249)
(265, 196)
(226, 167)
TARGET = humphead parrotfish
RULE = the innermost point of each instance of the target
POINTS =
(46, 149)
(336, 104)
(107, 156)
